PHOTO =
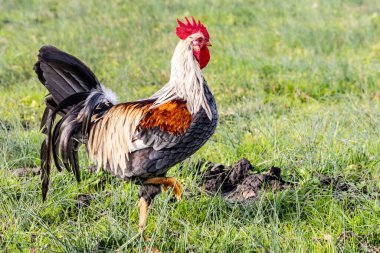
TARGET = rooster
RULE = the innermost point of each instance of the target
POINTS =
(135, 141)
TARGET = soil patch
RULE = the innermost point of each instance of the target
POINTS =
(23, 172)
(237, 184)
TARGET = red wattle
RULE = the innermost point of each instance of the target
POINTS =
(202, 56)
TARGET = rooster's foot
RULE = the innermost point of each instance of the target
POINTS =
(167, 182)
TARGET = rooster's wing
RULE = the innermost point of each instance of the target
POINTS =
(135, 129)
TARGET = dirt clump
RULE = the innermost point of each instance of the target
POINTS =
(23, 172)
(84, 200)
(337, 183)
(237, 184)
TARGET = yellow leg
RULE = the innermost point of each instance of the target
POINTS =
(167, 182)
(144, 210)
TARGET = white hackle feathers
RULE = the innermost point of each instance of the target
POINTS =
(186, 79)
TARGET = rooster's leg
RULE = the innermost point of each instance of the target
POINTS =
(144, 210)
(166, 182)
(146, 194)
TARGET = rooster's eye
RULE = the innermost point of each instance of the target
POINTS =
(195, 42)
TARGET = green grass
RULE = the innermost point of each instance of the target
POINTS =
(297, 86)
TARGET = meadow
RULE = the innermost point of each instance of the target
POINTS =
(297, 85)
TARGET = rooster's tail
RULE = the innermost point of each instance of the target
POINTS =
(74, 93)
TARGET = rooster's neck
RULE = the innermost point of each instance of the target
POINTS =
(186, 81)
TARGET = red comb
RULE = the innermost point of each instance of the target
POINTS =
(185, 30)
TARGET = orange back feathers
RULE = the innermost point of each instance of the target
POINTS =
(172, 117)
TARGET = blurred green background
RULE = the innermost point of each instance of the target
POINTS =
(297, 85)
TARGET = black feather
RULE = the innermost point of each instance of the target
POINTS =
(44, 119)
(92, 103)
(73, 158)
(45, 169)
(55, 140)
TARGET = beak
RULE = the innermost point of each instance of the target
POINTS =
(208, 44)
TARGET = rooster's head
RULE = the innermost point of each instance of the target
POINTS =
(199, 37)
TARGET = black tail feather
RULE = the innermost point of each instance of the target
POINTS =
(44, 119)
(45, 169)
(92, 103)
(73, 159)
(55, 140)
